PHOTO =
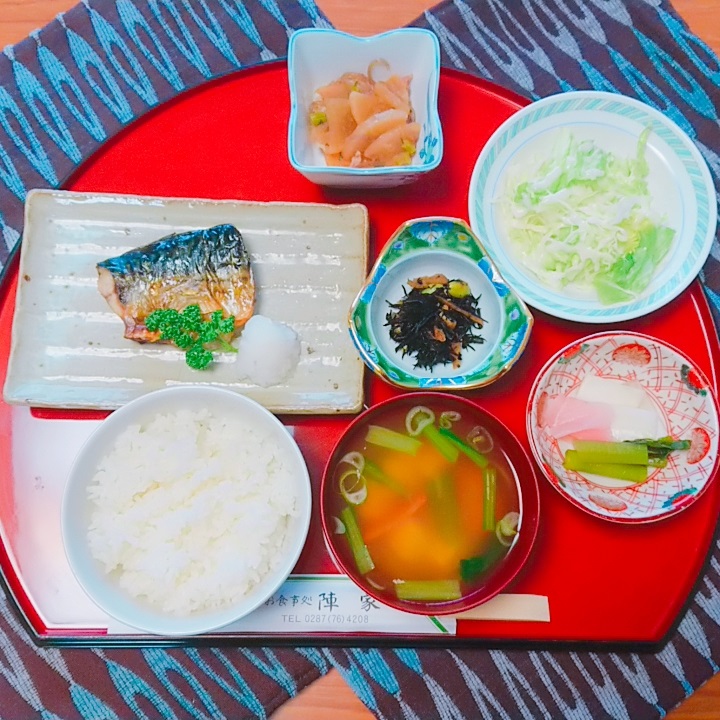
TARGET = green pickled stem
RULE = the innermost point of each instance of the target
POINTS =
(614, 453)
(630, 473)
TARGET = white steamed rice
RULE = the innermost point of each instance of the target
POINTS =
(190, 511)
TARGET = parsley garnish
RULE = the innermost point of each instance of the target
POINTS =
(190, 332)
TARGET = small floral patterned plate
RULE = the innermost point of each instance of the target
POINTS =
(686, 407)
(426, 247)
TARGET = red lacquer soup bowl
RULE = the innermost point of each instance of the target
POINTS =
(429, 503)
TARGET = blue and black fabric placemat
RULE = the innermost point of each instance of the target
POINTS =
(75, 84)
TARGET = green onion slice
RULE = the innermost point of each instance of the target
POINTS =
(318, 118)
(356, 459)
(353, 487)
(338, 526)
(417, 419)
(507, 528)
(480, 439)
(373, 67)
(448, 418)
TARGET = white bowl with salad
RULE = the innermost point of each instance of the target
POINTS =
(595, 206)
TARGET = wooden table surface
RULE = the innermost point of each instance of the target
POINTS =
(329, 698)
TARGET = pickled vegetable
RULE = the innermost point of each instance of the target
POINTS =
(360, 121)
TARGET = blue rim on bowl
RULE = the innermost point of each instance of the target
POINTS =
(679, 183)
(427, 246)
(317, 56)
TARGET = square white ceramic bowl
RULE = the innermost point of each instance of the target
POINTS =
(77, 509)
(319, 56)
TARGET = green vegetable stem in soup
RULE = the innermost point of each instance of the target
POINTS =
(426, 501)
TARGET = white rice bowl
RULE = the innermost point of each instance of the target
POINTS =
(185, 510)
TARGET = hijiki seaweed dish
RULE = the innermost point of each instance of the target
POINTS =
(435, 320)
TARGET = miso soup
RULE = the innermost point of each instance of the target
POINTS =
(427, 501)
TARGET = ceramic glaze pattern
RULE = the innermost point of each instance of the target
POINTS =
(683, 396)
(608, 121)
(75, 84)
(508, 322)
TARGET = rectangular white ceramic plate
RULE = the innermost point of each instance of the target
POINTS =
(68, 351)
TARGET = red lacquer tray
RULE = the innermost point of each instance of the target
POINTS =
(606, 583)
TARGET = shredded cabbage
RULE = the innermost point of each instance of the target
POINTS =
(582, 217)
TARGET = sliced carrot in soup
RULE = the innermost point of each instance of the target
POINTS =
(380, 506)
(413, 473)
(414, 551)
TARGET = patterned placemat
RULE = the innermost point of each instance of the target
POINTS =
(67, 89)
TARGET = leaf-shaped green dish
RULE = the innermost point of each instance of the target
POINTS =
(428, 246)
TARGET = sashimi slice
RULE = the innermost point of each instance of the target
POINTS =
(350, 113)
(390, 99)
(337, 89)
(400, 86)
(340, 123)
(612, 391)
(564, 415)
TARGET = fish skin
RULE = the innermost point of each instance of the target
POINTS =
(208, 267)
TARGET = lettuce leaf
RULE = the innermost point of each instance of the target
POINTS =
(582, 216)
